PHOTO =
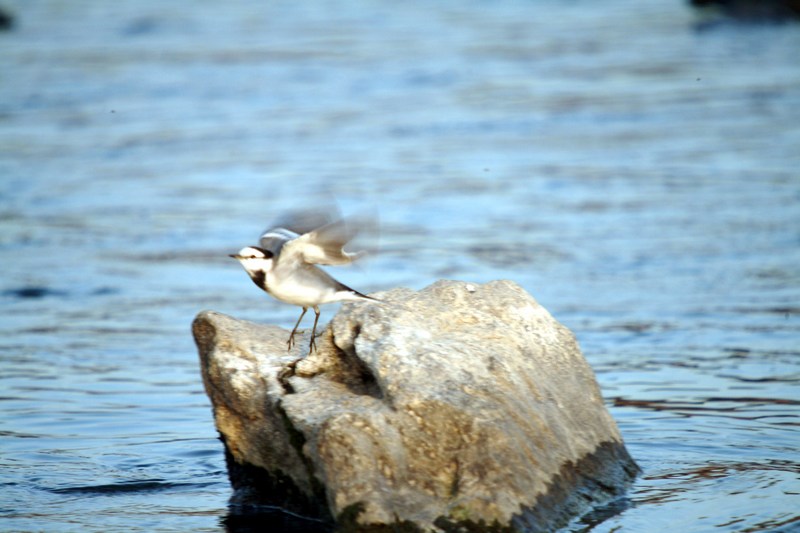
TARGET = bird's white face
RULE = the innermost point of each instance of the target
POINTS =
(254, 259)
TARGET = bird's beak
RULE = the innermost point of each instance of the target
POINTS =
(235, 256)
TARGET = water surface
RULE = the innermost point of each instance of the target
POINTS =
(636, 175)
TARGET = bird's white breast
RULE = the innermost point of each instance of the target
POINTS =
(304, 287)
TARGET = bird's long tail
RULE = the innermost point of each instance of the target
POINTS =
(354, 295)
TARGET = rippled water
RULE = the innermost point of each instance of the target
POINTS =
(637, 175)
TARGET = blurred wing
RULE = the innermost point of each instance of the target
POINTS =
(306, 220)
(324, 246)
(274, 239)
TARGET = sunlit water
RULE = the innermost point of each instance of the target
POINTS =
(637, 176)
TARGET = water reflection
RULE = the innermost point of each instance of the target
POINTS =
(278, 520)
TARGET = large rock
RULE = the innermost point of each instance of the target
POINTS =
(459, 406)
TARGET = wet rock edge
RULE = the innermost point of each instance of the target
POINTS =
(597, 479)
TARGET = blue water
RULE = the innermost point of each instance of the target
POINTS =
(637, 175)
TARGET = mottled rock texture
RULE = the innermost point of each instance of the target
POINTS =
(459, 407)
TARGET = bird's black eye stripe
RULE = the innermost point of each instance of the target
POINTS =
(267, 253)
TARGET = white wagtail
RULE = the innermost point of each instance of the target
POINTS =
(284, 265)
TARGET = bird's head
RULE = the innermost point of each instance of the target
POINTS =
(254, 259)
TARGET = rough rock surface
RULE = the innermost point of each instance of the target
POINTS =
(459, 407)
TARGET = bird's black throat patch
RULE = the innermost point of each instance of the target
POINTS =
(259, 277)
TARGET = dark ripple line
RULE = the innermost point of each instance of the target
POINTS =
(768, 379)
(724, 469)
(754, 399)
(127, 487)
(34, 292)
(699, 405)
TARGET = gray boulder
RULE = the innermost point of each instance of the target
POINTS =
(460, 407)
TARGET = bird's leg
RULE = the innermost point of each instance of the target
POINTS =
(313, 345)
(291, 336)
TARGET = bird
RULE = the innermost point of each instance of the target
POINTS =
(284, 264)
